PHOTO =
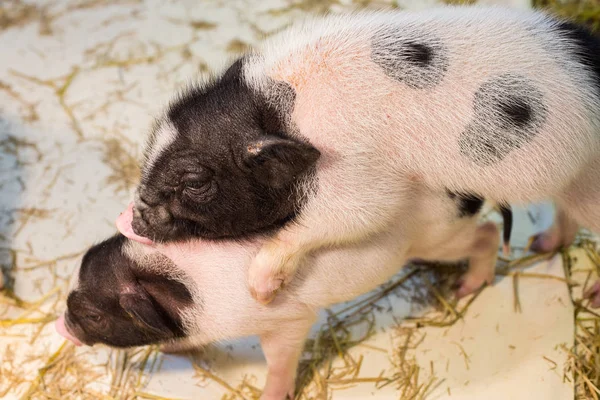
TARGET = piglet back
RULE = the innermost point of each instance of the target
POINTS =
(462, 96)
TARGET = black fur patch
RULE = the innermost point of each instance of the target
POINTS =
(419, 54)
(419, 63)
(120, 304)
(468, 204)
(587, 47)
(516, 110)
(507, 217)
(509, 111)
(234, 168)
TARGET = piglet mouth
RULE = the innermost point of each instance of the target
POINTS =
(125, 226)
(63, 330)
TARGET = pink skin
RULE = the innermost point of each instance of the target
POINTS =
(124, 226)
(561, 234)
(62, 330)
(593, 294)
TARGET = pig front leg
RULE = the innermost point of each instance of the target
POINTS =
(482, 254)
(282, 349)
(278, 260)
(274, 266)
(321, 226)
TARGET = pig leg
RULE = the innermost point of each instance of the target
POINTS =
(560, 234)
(278, 259)
(322, 226)
(266, 274)
(593, 294)
(282, 349)
(476, 243)
(482, 254)
(582, 200)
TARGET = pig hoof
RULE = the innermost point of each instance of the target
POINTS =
(593, 294)
(545, 242)
(470, 284)
(265, 291)
(265, 278)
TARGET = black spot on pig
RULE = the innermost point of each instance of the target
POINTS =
(419, 54)
(418, 63)
(119, 303)
(586, 49)
(509, 111)
(234, 169)
(468, 204)
(516, 110)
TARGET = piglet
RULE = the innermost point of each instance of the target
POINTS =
(320, 133)
(130, 291)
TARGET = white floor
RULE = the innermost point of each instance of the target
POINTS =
(78, 92)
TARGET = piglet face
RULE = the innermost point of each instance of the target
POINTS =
(220, 164)
(121, 303)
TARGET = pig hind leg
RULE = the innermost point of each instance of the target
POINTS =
(479, 245)
(278, 260)
(560, 234)
(582, 202)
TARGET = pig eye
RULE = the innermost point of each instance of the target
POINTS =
(198, 187)
(200, 192)
(195, 185)
(94, 317)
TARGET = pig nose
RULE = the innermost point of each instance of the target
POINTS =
(62, 330)
(140, 205)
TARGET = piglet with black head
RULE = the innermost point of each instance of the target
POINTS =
(221, 163)
(115, 294)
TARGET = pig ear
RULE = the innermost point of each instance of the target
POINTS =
(277, 161)
(141, 309)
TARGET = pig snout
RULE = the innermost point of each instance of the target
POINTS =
(124, 222)
(62, 330)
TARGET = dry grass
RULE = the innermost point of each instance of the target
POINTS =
(38, 370)
(583, 364)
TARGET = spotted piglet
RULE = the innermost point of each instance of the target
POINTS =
(325, 128)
